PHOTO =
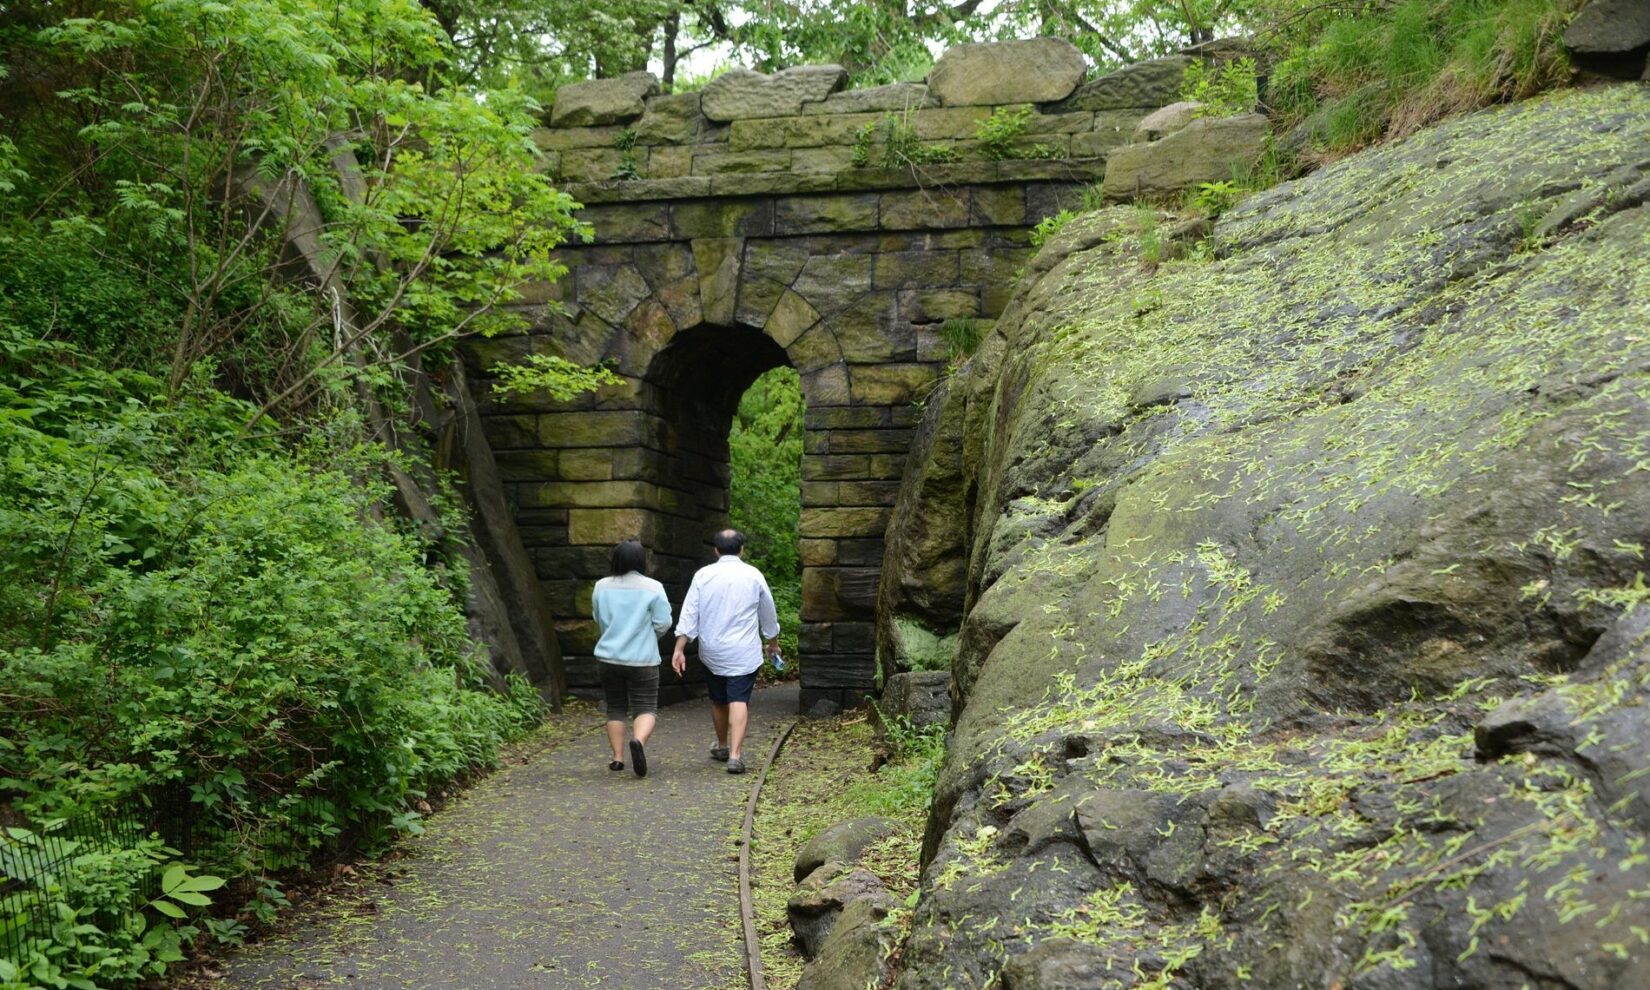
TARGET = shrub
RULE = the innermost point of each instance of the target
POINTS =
(1225, 89)
(893, 143)
(188, 617)
(998, 132)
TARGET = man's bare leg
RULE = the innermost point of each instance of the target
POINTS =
(719, 715)
(737, 715)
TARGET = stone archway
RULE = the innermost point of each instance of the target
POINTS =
(766, 221)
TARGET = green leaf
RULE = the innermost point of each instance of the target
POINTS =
(203, 883)
(168, 908)
(174, 877)
(190, 897)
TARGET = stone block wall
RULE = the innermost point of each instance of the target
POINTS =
(734, 232)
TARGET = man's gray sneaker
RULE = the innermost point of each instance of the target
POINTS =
(719, 753)
(736, 765)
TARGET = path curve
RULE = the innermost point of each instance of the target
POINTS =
(556, 873)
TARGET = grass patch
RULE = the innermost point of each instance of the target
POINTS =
(1351, 80)
(822, 777)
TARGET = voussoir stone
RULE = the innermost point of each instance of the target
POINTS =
(741, 94)
(1038, 70)
(603, 101)
(843, 842)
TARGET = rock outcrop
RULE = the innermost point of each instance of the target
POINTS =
(1304, 638)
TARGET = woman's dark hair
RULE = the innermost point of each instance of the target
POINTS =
(628, 556)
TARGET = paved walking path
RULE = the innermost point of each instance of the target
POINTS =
(557, 873)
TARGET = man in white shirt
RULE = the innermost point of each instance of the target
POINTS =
(730, 610)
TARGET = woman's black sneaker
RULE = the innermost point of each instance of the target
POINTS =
(638, 758)
(615, 765)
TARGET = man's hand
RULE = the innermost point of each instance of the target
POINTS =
(678, 659)
(771, 647)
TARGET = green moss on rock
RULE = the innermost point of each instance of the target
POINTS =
(1266, 537)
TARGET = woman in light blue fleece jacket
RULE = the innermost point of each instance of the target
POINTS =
(632, 612)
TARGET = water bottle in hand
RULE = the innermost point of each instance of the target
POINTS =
(778, 662)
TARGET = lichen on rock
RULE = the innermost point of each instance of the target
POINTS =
(1261, 546)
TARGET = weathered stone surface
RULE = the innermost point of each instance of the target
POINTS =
(740, 162)
(717, 261)
(790, 318)
(822, 897)
(1144, 85)
(1208, 149)
(719, 218)
(825, 214)
(603, 101)
(1160, 123)
(1609, 27)
(741, 94)
(1260, 596)
(610, 291)
(672, 118)
(875, 99)
(797, 132)
(674, 163)
(564, 138)
(922, 697)
(838, 593)
(890, 383)
(1039, 70)
(589, 164)
(631, 190)
(842, 843)
(861, 521)
(925, 209)
(620, 223)
(855, 953)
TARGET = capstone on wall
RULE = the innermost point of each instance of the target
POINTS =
(763, 222)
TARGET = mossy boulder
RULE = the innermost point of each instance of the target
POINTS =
(1305, 639)
(843, 842)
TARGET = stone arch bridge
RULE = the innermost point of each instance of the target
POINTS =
(778, 220)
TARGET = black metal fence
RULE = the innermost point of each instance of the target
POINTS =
(35, 861)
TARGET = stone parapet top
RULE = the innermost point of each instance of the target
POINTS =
(1002, 106)
(858, 180)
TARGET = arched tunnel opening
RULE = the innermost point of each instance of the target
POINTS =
(729, 408)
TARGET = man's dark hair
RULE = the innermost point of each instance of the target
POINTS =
(729, 542)
(628, 556)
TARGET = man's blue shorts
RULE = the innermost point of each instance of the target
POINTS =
(734, 687)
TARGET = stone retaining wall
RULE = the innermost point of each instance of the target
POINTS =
(741, 235)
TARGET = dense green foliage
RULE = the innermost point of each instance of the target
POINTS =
(765, 447)
(539, 44)
(190, 614)
(209, 610)
(163, 145)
